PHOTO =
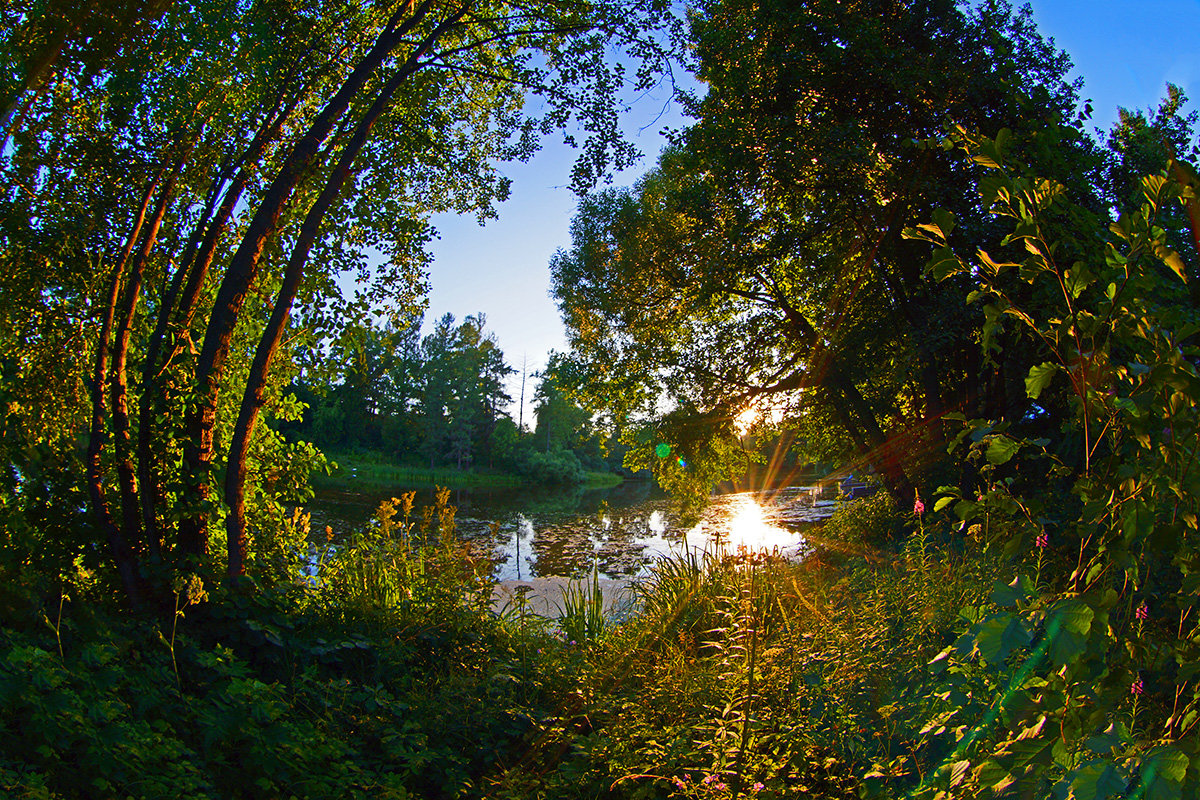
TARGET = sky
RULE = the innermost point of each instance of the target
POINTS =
(1125, 50)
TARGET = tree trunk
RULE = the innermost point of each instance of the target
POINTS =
(131, 529)
(243, 268)
(185, 287)
(122, 554)
(254, 396)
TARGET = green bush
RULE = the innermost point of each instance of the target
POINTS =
(864, 521)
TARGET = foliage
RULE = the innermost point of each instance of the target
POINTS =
(872, 521)
(761, 263)
(1092, 657)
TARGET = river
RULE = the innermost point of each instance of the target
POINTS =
(619, 531)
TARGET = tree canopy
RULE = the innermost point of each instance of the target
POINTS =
(762, 262)
(173, 195)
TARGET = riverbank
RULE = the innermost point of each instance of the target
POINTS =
(368, 472)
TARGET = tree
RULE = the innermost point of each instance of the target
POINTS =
(278, 144)
(763, 259)
(463, 390)
(561, 423)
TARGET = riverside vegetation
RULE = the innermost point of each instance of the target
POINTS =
(887, 226)
(1032, 633)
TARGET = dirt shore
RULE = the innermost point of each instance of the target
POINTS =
(545, 595)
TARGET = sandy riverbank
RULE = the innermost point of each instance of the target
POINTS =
(545, 595)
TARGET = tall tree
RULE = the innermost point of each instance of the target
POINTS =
(764, 257)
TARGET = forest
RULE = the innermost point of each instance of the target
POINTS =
(441, 401)
(887, 240)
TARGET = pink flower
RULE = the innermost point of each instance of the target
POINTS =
(680, 784)
(758, 787)
(918, 507)
(721, 787)
(1143, 612)
(709, 779)
(1138, 687)
(1043, 540)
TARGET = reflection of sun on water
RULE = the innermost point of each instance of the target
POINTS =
(745, 524)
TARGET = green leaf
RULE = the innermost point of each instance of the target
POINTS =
(1103, 742)
(1010, 594)
(1071, 614)
(993, 776)
(1096, 780)
(1172, 260)
(1078, 278)
(944, 263)
(1039, 378)
(943, 502)
(965, 509)
(999, 635)
(1001, 449)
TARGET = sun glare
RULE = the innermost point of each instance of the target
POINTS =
(745, 420)
(745, 525)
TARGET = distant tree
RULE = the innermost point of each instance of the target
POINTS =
(561, 423)
(463, 390)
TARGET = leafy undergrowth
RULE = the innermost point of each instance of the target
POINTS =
(857, 673)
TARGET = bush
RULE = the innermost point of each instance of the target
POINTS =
(872, 520)
(558, 466)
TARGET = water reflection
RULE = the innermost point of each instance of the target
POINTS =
(618, 531)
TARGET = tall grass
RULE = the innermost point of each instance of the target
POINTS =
(581, 613)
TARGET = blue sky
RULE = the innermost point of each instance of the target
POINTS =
(1126, 51)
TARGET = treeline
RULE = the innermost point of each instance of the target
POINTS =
(443, 400)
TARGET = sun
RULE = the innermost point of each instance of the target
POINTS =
(746, 419)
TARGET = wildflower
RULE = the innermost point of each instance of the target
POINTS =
(918, 507)
(758, 787)
(708, 779)
(1043, 540)
(721, 787)
(1137, 688)
(680, 784)
(1143, 611)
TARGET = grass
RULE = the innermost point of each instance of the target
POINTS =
(359, 471)
(602, 480)
(368, 471)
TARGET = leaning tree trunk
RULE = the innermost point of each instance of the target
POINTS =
(184, 289)
(121, 551)
(126, 469)
(243, 268)
(880, 451)
(254, 396)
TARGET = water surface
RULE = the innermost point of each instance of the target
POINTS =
(542, 532)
